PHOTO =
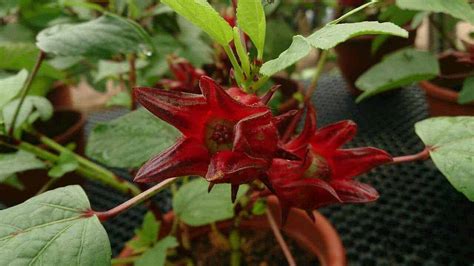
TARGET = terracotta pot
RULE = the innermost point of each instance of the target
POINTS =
(71, 126)
(441, 94)
(354, 56)
(60, 96)
(319, 238)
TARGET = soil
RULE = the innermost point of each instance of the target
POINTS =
(259, 249)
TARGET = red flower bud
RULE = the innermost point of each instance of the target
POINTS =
(185, 74)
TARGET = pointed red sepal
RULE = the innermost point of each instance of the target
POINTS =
(234, 191)
(278, 120)
(235, 168)
(222, 104)
(354, 192)
(184, 111)
(256, 136)
(353, 162)
(269, 95)
(186, 157)
(335, 135)
(308, 131)
(245, 98)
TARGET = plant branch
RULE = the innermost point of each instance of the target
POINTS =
(239, 74)
(317, 74)
(421, 156)
(26, 88)
(132, 78)
(353, 11)
(280, 239)
(104, 216)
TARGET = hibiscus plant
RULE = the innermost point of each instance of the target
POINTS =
(210, 136)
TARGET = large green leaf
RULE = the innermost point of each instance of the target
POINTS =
(17, 56)
(398, 69)
(11, 86)
(333, 34)
(251, 19)
(452, 149)
(107, 68)
(460, 9)
(201, 13)
(51, 229)
(102, 37)
(298, 49)
(326, 38)
(156, 256)
(130, 140)
(195, 206)
(12, 163)
(467, 93)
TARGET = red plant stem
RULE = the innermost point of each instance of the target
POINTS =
(104, 216)
(280, 239)
(421, 156)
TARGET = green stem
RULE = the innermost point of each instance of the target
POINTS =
(127, 260)
(237, 69)
(47, 185)
(104, 216)
(261, 81)
(91, 174)
(353, 11)
(317, 74)
(25, 89)
(236, 254)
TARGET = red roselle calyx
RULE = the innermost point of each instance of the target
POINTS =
(325, 173)
(228, 136)
(186, 76)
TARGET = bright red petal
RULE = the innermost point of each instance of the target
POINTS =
(185, 111)
(308, 130)
(256, 135)
(235, 168)
(335, 135)
(186, 157)
(353, 162)
(223, 105)
(350, 191)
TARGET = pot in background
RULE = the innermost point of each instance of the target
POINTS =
(319, 238)
(355, 57)
(442, 92)
(66, 126)
(60, 96)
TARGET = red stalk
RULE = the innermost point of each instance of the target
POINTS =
(421, 156)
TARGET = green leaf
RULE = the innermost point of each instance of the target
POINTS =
(147, 235)
(251, 20)
(201, 13)
(298, 49)
(398, 69)
(102, 37)
(67, 163)
(467, 93)
(195, 206)
(11, 86)
(18, 56)
(51, 229)
(452, 149)
(108, 68)
(259, 207)
(460, 9)
(130, 140)
(20, 161)
(16, 32)
(33, 105)
(333, 34)
(120, 99)
(157, 255)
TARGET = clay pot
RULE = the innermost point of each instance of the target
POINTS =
(319, 238)
(60, 96)
(441, 94)
(354, 56)
(66, 126)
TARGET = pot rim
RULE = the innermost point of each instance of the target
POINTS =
(74, 128)
(441, 93)
(328, 249)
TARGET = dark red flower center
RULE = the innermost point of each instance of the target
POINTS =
(219, 135)
(318, 167)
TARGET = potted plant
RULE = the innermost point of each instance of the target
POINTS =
(446, 78)
(224, 148)
(357, 55)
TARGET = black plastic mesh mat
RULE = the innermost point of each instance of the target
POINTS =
(419, 219)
